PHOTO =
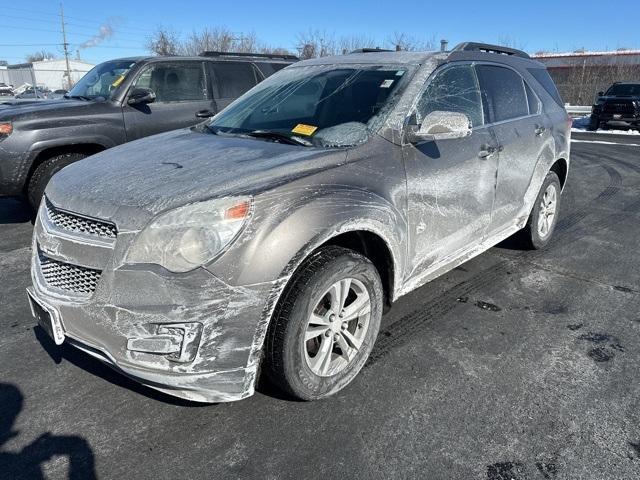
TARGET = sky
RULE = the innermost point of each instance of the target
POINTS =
(560, 25)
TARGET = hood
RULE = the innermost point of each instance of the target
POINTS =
(183, 166)
(618, 98)
(12, 108)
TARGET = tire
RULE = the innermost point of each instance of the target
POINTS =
(296, 366)
(532, 235)
(594, 123)
(43, 173)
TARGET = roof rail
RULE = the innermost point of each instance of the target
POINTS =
(275, 56)
(370, 50)
(485, 47)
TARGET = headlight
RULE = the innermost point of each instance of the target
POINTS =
(190, 236)
(5, 129)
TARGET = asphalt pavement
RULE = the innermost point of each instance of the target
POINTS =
(516, 365)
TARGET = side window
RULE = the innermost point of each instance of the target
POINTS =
(177, 82)
(543, 77)
(534, 103)
(454, 89)
(504, 91)
(233, 78)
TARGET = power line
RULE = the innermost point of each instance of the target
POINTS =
(115, 25)
(84, 23)
(29, 44)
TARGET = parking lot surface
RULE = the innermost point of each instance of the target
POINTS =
(516, 365)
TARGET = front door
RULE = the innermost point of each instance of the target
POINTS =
(450, 183)
(181, 92)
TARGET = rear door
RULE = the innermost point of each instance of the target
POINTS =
(232, 79)
(181, 92)
(514, 112)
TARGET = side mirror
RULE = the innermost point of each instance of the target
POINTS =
(441, 126)
(141, 95)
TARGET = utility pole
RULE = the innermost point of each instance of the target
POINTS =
(66, 47)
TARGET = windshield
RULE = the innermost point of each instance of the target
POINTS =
(101, 81)
(621, 90)
(323, 105)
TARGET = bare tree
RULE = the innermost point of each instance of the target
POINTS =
(409, 43)
(511, 42)
(316, 43)
(582, 76)
(39, 56)
(354, 42)
(163, 42)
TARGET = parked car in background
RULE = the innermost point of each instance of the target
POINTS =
(34, 93)
(116, 102)
(618, 107)
(270, 238)
(58, 94)
(5, 90)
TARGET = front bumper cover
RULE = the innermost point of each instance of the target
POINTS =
(136, 309)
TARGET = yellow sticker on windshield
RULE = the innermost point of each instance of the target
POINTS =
(303, 129)
(118, 81)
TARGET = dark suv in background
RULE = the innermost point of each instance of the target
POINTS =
(618, 107)
(116, 102)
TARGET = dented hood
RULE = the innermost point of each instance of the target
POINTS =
(179, 167)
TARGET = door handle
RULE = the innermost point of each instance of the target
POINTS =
(486, 151)
(204, 113)
(540, 130)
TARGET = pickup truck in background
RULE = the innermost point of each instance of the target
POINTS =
(619, 107)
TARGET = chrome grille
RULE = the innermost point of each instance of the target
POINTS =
(76, 223)
(66, 276)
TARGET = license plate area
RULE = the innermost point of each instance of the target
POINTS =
(47, 318)
(617, 116)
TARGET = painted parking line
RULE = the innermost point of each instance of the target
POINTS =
(602, 142)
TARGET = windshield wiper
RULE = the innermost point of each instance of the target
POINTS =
(79, 97)
(279, 137)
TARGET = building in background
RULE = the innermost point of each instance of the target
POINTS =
(47, 73)
(581, 75)
(4, 75)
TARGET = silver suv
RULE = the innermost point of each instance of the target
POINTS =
(269, 238)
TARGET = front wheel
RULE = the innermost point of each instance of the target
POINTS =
(544, 216)
(325, 325)
(43, 173)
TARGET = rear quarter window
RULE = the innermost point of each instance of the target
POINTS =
(543, 78)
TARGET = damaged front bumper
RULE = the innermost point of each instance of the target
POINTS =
(189, 335)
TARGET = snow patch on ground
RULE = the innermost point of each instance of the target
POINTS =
(580, 124)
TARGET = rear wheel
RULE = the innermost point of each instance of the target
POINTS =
(43, 173)
(544, 216)
(325, 324)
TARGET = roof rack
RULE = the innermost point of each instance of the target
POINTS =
(274, 56)
(370, 50)
(485, 47)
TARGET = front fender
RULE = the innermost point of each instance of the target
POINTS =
(279, 239)
(66, 141)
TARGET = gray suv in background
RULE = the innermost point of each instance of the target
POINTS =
(116, 102)
(268, 240)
